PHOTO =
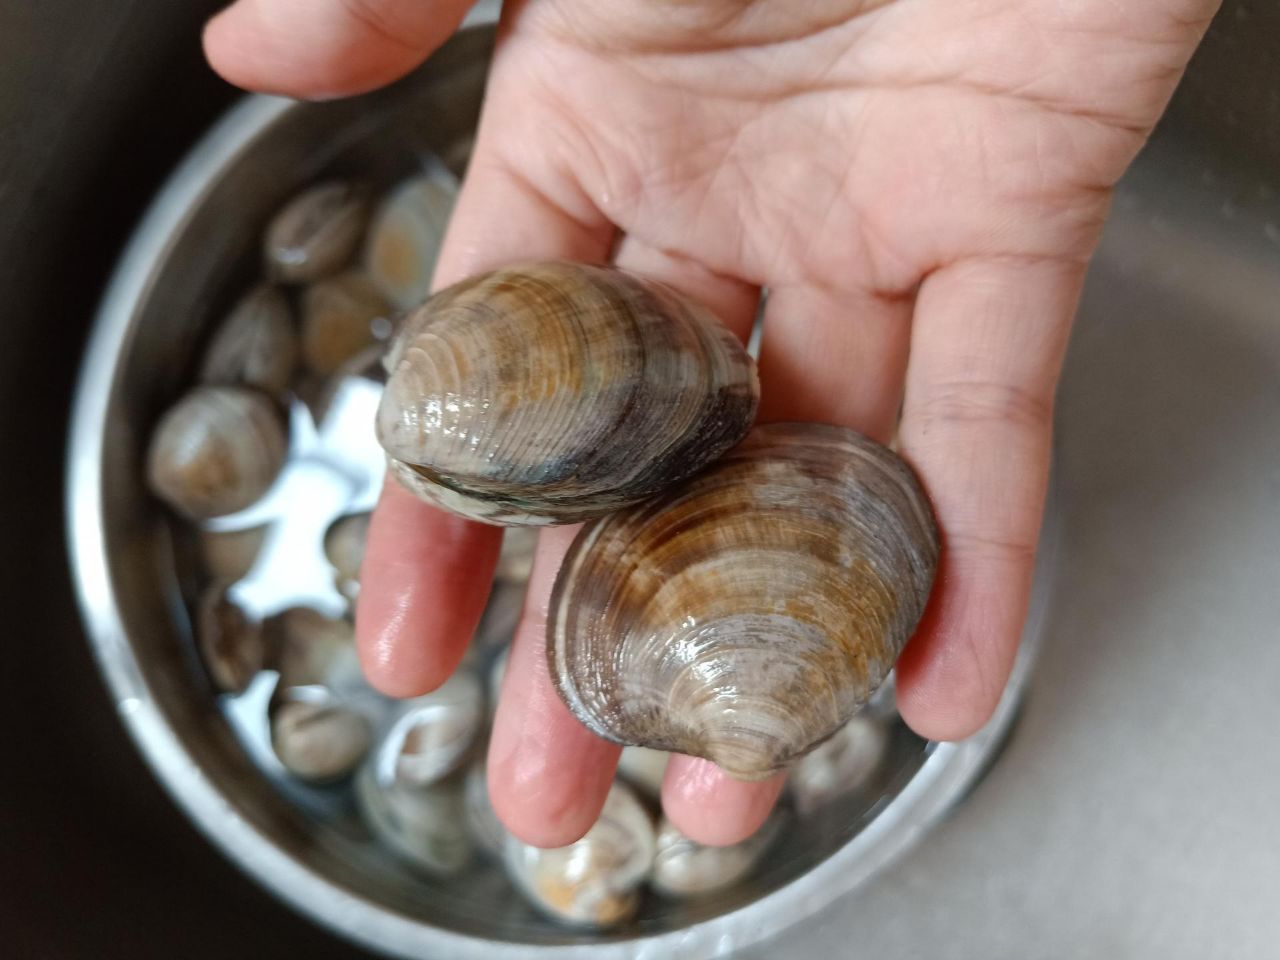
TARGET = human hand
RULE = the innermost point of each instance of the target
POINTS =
(920, 185)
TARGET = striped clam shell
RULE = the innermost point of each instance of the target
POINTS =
(745, 616)
(556, 392)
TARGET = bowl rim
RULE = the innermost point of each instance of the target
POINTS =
(947, 774)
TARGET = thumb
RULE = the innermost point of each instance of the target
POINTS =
(326, 48)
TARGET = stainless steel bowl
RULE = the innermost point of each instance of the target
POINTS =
(198, 241)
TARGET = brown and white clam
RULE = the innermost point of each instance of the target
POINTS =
(256, 346)
(423, 826)
(342, 315)
(685, 869)
(556, 392)
(431, 736)
(746, 615)
(596, 881)
(217, 451)
(840, 765)
(317, 232)
(407, 231)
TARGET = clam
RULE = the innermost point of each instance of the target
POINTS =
(321, 721)
(230, 643)
(497, 673)
(748, 614)
(316, 233)
(342, 315)
(404, 239)
(424, 826)
(319, 739)
(344, 544)
(217, 451)
(838, 766)
(481, 819)
(596, 881)
(515, 560)
(256, 345)
(433, 735)
(643, 769)
(231, 554)
(685, 869)
(556, 392)
(501, 616)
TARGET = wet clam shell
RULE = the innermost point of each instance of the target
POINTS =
(556, 392)
(342, 315)
(217, 451)
(423, 826)
(230, 644)
(231, 554)
(596, 881)
(685, 869)
(317, 232)
(344, 546)
(319, 739)
(433, 735)
(405, 236)
(256, 346)
(844, 763)
(748, 614)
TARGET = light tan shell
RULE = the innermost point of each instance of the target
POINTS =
(431, 736)
(596, 881)
(230, 644)
(319, 740)
(256, 345)
(317, 232)
(746, 615)
(217, 451)
(685, 869)
(555, 392)
(342, 315)
(231, 554)
(423, 826)
(344, 546)
(404, 239)
(838, 766)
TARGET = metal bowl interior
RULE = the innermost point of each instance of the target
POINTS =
(197, 246)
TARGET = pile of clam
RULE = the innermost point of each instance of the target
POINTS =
(737, 593)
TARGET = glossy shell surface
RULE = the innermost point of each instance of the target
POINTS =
(748, 614)
(317, 232)
(256, 345)
(555, 392)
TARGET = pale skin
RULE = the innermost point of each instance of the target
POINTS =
(919, 183)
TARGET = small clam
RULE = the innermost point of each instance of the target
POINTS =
(432, 736)
(424, 826)
(344, 544)
(341, 316)
(231, 554)
(596, 881)
(230, 643)
(404, 239)
(316, 233)
(746, 615)
(643, 769)
(217, 451)
(685, 869)
(515, 561)
(556, 392)
(255, 346)
(308, 648)
(319, 739)
(838, 766)
(482, 821)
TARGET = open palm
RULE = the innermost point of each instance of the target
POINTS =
(919, 184)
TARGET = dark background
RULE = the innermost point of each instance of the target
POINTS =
(98, 101)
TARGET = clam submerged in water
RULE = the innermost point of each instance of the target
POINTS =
(556, 392)
(746, 615)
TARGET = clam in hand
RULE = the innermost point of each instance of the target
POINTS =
(217, 451)
(556, 392)
(316, 233)
(595, 882)
(256, 346)
(685, 869)
(745, 616)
